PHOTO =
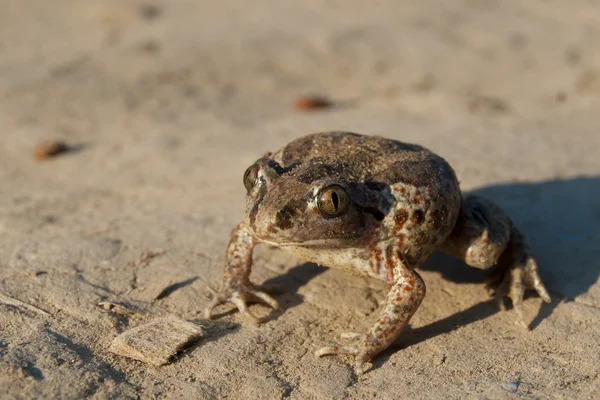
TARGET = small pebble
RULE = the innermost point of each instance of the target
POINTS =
(49, 149)
(307, 103)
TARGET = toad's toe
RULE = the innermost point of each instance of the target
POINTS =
(532, 280)
(240, 299)
(331, 350)
(264, 298)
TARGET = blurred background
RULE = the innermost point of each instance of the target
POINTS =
(125, 129)
(241, 65)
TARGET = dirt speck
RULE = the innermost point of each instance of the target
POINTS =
(49, 149)
(309, 103)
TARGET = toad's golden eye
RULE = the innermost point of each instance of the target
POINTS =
(250, 177)
(333, 201)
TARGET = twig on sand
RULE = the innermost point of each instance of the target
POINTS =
(4, 299)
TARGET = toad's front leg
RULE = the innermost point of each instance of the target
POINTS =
(403, 298)
(237, 287)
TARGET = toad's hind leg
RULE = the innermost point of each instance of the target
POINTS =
(485, 236)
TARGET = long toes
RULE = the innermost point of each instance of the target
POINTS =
(541, 290)
(216, 301)
(520, 317)
(517, 290)
(240, 303)
(262, 297)
(349, 350)
(350, 335)
(533, 281)
(361, 359)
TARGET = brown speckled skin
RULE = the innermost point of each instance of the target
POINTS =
(405, 203)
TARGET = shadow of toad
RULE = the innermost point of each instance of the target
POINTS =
(560, 219)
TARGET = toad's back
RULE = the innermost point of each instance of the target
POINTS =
(358, 158)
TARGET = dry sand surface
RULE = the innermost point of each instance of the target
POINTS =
(164, 105)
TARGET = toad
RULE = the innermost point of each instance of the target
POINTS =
(377, 208)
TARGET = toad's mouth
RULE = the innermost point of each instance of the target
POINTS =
(312, 243)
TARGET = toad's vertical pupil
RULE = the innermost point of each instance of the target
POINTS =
(335, 200)
(332, 201)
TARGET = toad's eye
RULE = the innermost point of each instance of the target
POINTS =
(333, 201)
(250, 177)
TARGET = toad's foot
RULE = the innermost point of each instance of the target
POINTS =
(484, 237)
(511, 278)
(240, 296)
(359, 352)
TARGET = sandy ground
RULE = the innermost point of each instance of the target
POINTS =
(167, 103)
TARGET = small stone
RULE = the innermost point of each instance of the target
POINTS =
(307, 103)
(49, 148)
(157, 342)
